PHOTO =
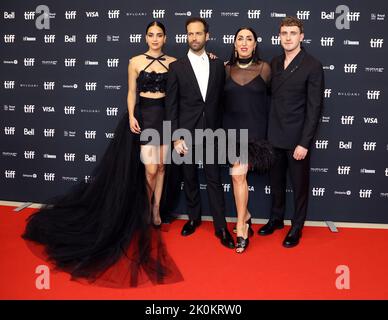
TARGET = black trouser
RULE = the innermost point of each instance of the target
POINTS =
(214, 189)
(300, 178)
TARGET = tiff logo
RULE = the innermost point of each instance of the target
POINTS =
(180, 38)
(69, 157)
(373, 94)
(70, 62)
(48, 85)
(29, 108)
(350, 68)
(327, 93)
(321, 144)
(10, 174)
(226, 187)
(267, 189)
(90, 134)
(303, 15)
(29, 155)
(9, 38)
(113, 14)
(345, 145)
(347, 120)
(228, 38)
(135, 38)
(254, 14)
(376, 43)
(69, 109)
(386, 172)
(29, 62)
(206, 13)
(327, 41)
(29, 15)
(353, 16)
(111, 111)
(49, 176)
(275, 40)
(49, 133)
(112, 63)
(9, 131)
(49, 38)
(318, 192)
(369, 146)
(91, 38)
(70, 15)
(9, 84)
(343, 170)
(158, 14)
(90, 86)
(364, 193)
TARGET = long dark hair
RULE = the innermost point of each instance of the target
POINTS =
(255, 56)
(158, 24)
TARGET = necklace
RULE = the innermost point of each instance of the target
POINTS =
(244, 66)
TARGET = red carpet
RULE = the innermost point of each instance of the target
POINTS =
(265, 271)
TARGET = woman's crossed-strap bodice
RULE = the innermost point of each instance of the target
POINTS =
(152, 81)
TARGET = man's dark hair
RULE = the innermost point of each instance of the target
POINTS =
(197, 19)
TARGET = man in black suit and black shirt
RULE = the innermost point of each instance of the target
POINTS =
(193, 101)
(297, 89)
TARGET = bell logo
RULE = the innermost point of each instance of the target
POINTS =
(348, 120)
(112, 63)
(205, 13)
(111, 111)
(10, 174)
(113, 14)
(29, 132)
(343, 170)
(376, 43)
(49, 38)
(9, 38)
(303, 15)
(327, 93)
(158, 14)
(9, 84)
(369, 146)
(181, 38)
(70, 15)
(90, 134)
(275, 40)
(254, 14)
(92, 158)
(70, 62)
(350, 68)
(327, 41)
(49, 133)
(90, 86)
(318, 192)
(135, 38)
(69, 109)
(365, 193)
(69, 157)
(345, 145)
(29, 155)
(228, 38)
(9, 15)
(29, 62)
(321, 144)
(49, 176)
(29, 108)
(267, 189)
(9, 131)
(373, 94)
(71, 39)
(91, 38)
(48, 85)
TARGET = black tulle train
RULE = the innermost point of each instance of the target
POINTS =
(100, 231)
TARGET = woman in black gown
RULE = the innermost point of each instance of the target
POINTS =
(246, 107)
(102, 232)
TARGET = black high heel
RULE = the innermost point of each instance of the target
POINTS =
(241, 242)
(250, 230)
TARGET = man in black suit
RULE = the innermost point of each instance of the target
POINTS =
(193, 95)
(297, 88)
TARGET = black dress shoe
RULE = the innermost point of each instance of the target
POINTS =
(225, 237)
(292, 238)
(270, 227)
(190, 227)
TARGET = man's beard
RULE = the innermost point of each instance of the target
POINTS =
(197, 48)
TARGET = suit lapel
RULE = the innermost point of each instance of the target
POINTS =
(190, 73)
(212, 74)
(282, 75)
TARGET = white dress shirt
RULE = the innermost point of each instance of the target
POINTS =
(201, 69)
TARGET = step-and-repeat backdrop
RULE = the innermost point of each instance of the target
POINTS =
(63, 69)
